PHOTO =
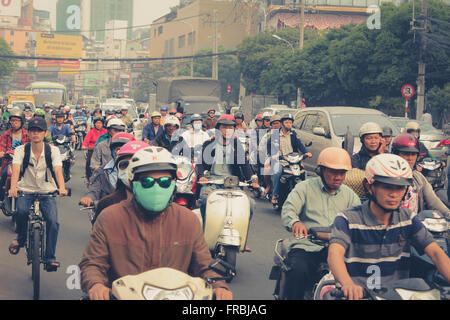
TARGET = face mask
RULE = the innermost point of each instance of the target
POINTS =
(123, 176)
(197, 126)
(155, 199)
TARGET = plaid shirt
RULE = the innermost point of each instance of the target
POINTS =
(6, 141)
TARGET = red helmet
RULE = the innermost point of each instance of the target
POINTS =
(259, 117)
(131, 148)
(120, 139)
(173, 111)
(405, 143)
(226, 119)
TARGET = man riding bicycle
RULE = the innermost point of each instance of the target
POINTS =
(37, 177)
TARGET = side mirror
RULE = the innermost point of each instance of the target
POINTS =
(141, 116)
(319, 131)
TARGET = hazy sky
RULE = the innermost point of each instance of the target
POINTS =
(145, 11)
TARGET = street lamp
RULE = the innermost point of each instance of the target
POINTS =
(280, 38)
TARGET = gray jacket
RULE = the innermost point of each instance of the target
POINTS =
(101, 155)
(428, 200)
(99, 185)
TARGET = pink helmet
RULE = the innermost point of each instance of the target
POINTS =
(131, 148)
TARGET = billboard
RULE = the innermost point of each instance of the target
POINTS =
(10, 8)
(59, 46)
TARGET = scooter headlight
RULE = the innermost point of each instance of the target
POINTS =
(154, 293)
(436, 225)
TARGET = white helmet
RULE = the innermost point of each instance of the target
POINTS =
(370, 128)
(390, 169)
(124, 108)
(152, 159)
(115, 123)
(172, 120)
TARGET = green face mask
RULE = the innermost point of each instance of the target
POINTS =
(154, 199)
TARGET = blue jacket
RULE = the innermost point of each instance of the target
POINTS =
(149, 132)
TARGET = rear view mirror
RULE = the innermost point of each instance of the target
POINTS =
(319, 131)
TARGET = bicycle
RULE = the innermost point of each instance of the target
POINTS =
(35, 244)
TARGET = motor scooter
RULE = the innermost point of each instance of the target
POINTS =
(227, 219)
(8, 203)
(62, 143)
(168, 284)
(421, 265)
(281, 266)
(80, 133)
(293, 173)
(186, 183)
(403, 289)
(433, 170)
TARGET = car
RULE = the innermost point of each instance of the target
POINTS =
(429, 136)
(280, 109)
(327, 127)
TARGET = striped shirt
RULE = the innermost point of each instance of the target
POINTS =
(370, 244)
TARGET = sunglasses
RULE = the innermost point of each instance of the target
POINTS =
(149, 182)
(123, 164)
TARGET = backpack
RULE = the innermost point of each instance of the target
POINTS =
(48, 161)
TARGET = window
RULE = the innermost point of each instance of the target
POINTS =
(310, 122)
(298, 120)
(160, 30)
(12, 32)
(322, 122)
(181, 41)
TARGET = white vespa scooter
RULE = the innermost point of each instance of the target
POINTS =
(227, 220)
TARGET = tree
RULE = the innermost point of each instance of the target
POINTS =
(7, 66)
(145, 82)
(229, 73)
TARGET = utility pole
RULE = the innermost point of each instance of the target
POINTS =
(421, 75)
(302, 38)
(215, 60)
(302, 24)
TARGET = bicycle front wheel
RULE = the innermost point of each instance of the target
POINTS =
(36, 262)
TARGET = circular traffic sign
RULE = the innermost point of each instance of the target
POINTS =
(408, 91)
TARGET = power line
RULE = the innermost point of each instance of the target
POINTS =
(120, 59)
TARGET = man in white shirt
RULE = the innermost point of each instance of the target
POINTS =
(37, 168)
(195, 137)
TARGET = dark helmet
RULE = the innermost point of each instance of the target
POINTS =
(96, 110)
(226, 119)
(238, 115)
(405, 143)
(60, 114)
(196, 117)
(387, 132)
(99, 119)
(287, 116)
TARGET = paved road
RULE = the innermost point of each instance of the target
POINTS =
(251, 282)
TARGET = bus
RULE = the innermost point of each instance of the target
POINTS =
(52, 93)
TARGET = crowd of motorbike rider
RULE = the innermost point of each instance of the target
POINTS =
(132, 184)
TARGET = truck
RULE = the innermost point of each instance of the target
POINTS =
(189, 95)
(254, 104)
(20, 98)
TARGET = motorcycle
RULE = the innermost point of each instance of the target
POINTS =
(80, 133)
(281, 267)
(404, 289)
(186, 183)
(293, 173)
(421, 265)
(433, 170)
(62, 142)
(168, 284)
(8, 203)
(227, 220)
